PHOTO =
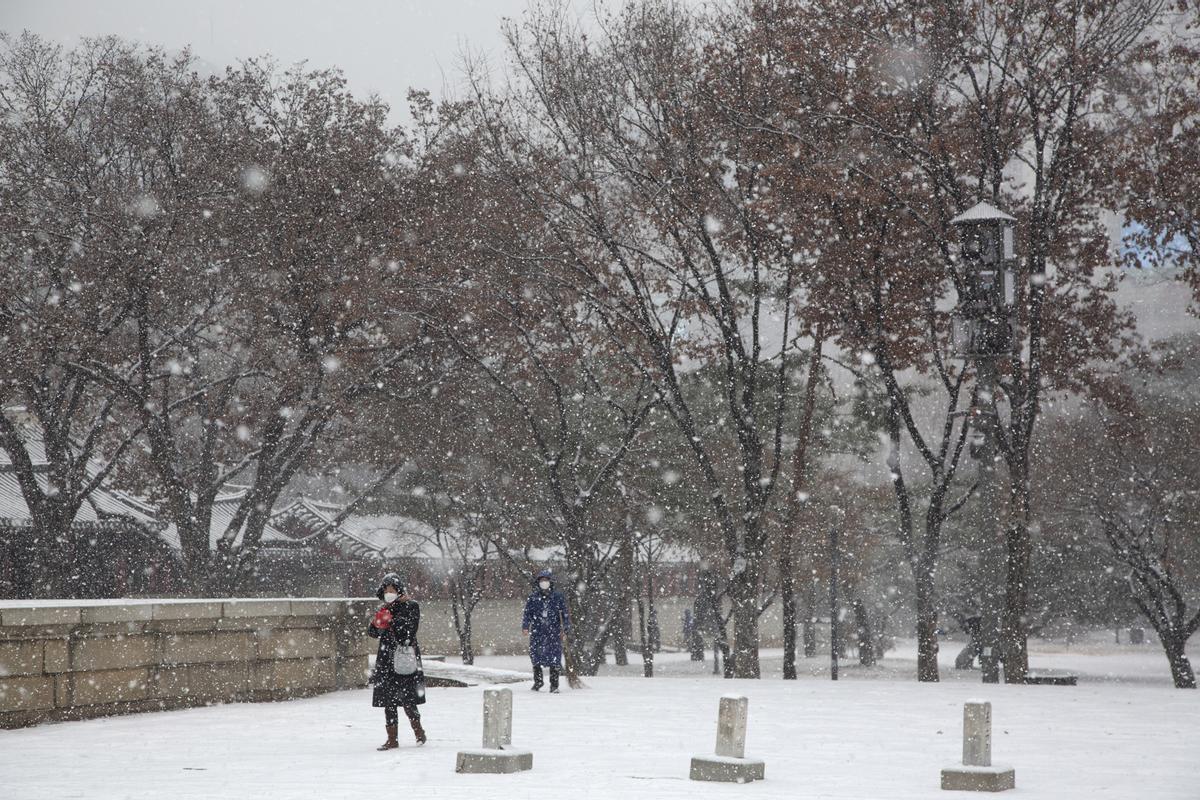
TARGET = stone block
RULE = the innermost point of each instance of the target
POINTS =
(497, 718)
(218, 681)
(977, 733)
(729, 764)
(977, 773)
(29, 693)
(257, 623)
(496, 755)
(201, 681)
(283, 676)
(294, 643)
(169, 682)
(961, 778)
(353, 672)
(235, 609)
(56, 658)
(317, 608)
(180, 625)
(186, 610)
(726, 769)
(363, 646)
(207, 648)
(114, 652)
(20, 658)
(62, 691)
(109, 686)
(40, 615)
(140, 612)
(731, 726)
(494, 762)
(101, 629)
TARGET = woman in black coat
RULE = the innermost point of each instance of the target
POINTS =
(395, 626)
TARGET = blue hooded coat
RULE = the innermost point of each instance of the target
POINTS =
(546, 619)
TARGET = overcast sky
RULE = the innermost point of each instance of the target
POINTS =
(383, 46)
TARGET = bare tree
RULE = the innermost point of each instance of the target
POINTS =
(73, 216)
(615, 144)
(925, 109)
(1125, 475)
(277, 310)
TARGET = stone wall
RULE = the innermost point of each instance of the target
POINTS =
(87, 658)
(62, 660)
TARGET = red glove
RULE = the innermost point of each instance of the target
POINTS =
(383, 619)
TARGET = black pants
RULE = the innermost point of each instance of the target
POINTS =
(392, 717)
(537, 677)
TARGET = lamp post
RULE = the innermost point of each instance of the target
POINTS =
(982, 332)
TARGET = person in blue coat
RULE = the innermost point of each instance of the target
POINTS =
(545, 623)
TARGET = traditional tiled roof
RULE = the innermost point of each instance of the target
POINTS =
(101, 505)
(224, 507)
(361, 535)
(311, 518)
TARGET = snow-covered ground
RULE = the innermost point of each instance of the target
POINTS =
(1123, 733)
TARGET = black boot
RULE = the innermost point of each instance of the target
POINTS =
(537, 678)
(554, 680)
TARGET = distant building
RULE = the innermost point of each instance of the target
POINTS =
(121, 545)
(280, 563)
(109, 549)
(364, 546)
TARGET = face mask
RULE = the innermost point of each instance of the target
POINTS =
(544, 585)
(389, 597)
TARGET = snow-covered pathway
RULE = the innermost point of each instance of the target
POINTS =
(628, 737)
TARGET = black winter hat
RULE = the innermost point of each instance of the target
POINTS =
(391, 579)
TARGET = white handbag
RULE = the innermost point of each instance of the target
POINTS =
(404, 660)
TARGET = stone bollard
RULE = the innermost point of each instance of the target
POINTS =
(497, 754)
(730, 764)
(977, 773)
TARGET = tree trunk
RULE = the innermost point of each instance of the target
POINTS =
(647, 652)
(623, 617)
(787, 588)
(864, 636)
(27, 562)
(620, 633)
(462, 626)
(576, 655)
(465, 646)
(927, 622)
(1018, 547)
(787, 577)
(810, 628)
(1175, 646)
(744, 591)
(726, 659)
(218, 573)
(653, 631)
